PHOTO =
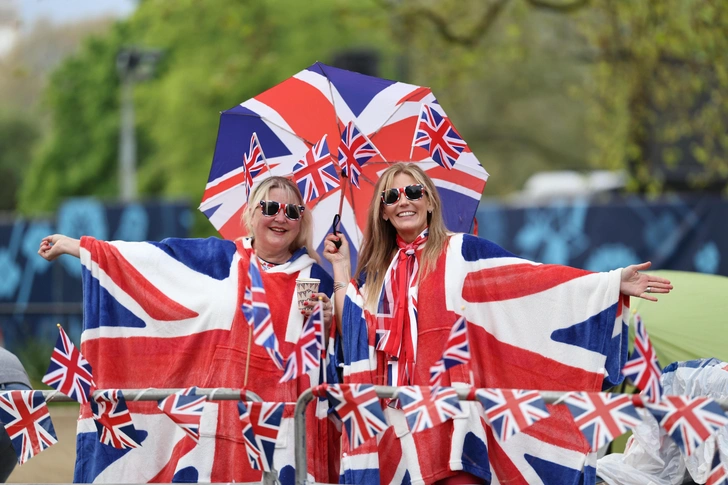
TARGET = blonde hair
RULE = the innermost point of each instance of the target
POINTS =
(380, 241)
(261, 191)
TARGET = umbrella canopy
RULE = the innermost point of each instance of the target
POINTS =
(688, 323)
(327, 118)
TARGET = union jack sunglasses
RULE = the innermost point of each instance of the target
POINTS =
(412, 192)
(270, 208)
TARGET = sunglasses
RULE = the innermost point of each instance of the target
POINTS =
(270, 208)
(412, 192)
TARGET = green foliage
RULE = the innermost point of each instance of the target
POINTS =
(17, 136)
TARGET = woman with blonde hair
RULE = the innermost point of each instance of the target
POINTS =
(168, 315)
(529, 326)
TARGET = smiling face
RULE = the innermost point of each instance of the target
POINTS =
(275, 235)
(409, 217)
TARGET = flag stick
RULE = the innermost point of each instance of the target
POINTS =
(247, 357)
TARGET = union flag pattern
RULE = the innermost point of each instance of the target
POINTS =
(510, 411)
(718, 474)
(315, 174)
(185, 409)
(27, 422)
(257, 313)
(426, 407)
(457, 351)
(642, 368)
(69, 372)
(688, 420)
(601, 417)
(307, 353)
(113, 420)
(436, 134)
(254, 163)
(357, 405)
(265, 422)
(355, 150)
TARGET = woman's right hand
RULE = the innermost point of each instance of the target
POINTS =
(57, 244)
(336, 256)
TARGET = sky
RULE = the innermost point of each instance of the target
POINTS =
(65, 11)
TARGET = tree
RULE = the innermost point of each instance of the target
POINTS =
(17, 136)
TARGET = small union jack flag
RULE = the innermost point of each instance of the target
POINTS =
(27, 422)
(510, 411)
(601, 417)
(688, 420)
(642, 367)
(718, 474)
(457, 351)
(69, 372)
(257, 313)
(185, 409)
(357, 405)
(355, 150)
(426, 407)
(113, 420)
(261, 423)
(315, 174)
(306, 354)
(436, 134)
(253, 163)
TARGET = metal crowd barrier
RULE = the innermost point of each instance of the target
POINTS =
(464, 394)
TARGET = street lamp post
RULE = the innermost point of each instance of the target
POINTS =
(133, 65)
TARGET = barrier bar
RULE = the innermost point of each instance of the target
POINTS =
(153, 394)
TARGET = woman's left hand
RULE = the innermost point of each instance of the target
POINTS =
(642, 285)
(327, 308)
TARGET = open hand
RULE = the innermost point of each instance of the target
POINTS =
(642, 285)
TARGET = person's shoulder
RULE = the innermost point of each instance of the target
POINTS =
(473, 248)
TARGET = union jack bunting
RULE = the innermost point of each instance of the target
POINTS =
(510, 411)
(253, 163)
(113, 420)
(69, 372)
(357, 405)
(257, 313)
(185, 409)
(457, 351)
(688, 420)
(718, 474)
(355, 150)
(315, 174)
(426, 407)
(260, 439)
(436, 134)
(251, 447)
(306, 354)
(642, 367)
(27, 422)
(601, 417)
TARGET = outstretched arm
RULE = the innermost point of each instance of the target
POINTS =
(53, 246)
(642, 285)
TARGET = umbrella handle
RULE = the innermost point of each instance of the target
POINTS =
(337, 219)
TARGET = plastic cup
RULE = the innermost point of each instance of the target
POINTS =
(305, 287)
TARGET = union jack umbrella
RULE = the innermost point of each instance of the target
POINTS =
(69, 372)
(601, 416)
(688, 420)
(357, 405)
(27, 422)
(185, 409)
(510, 411)
(292, 117)
(113, 420)
(642, 368)
(426, 407)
